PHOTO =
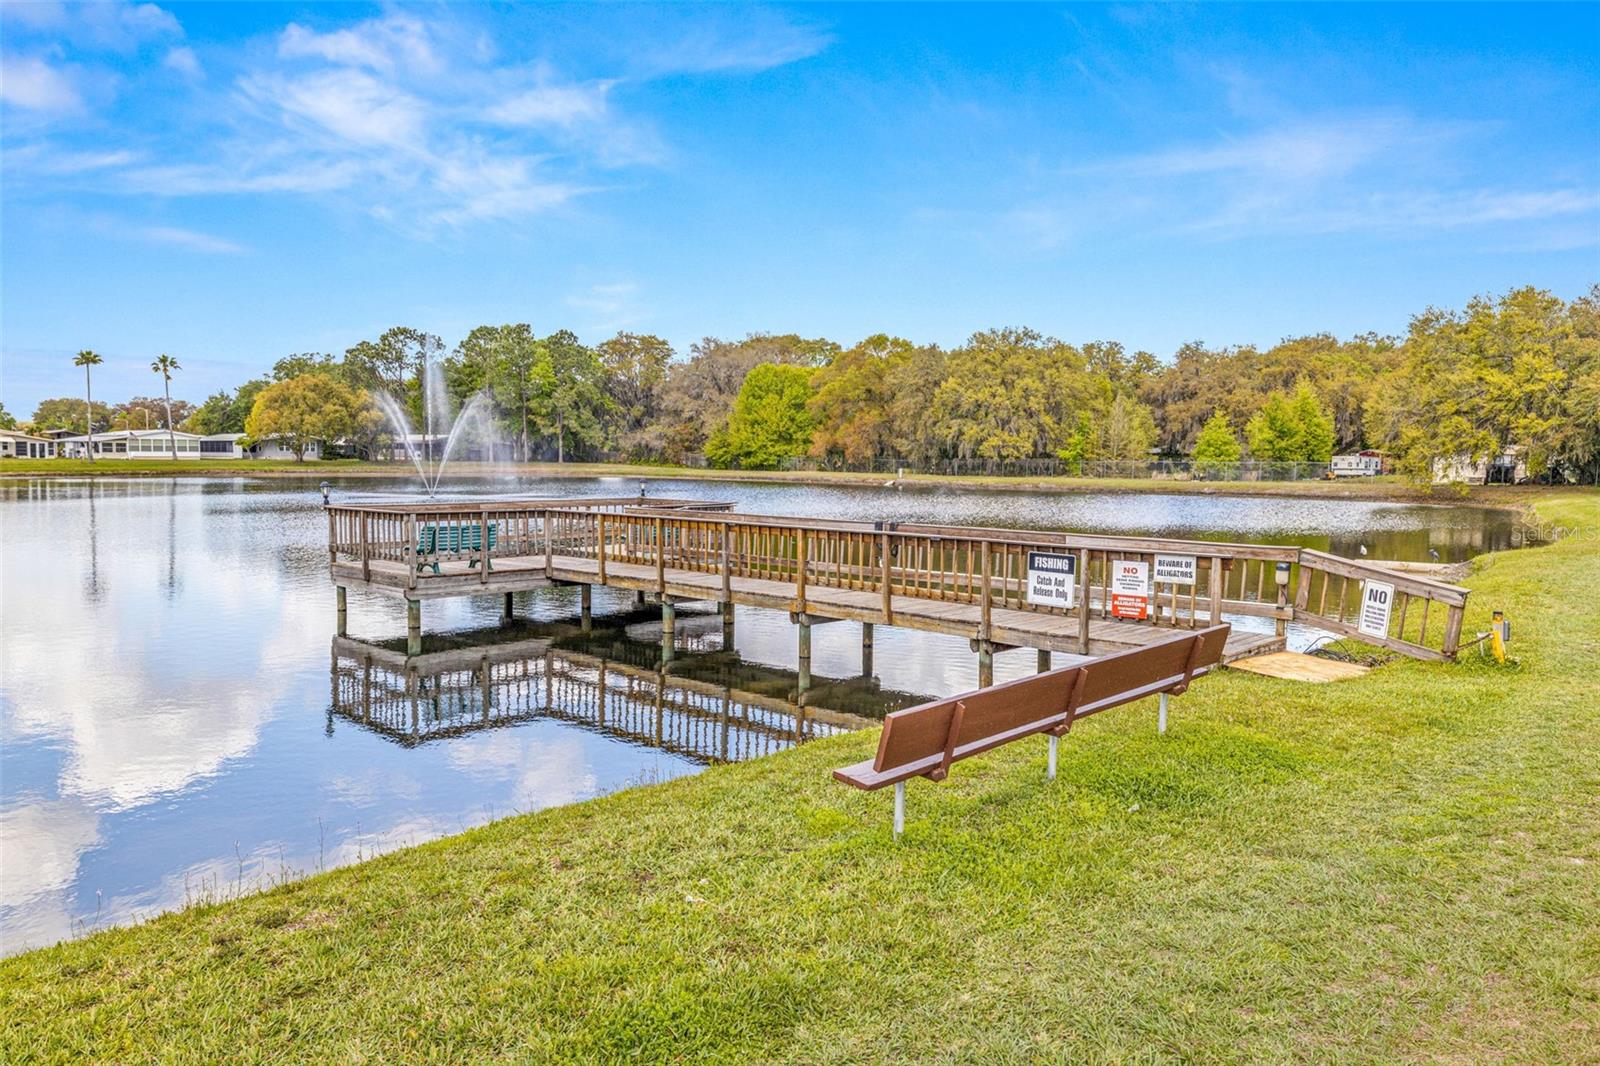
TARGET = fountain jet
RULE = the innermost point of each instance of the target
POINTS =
(471, 422)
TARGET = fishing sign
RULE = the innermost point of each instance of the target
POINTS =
(1052, 580)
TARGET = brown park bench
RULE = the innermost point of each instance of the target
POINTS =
(923, 741)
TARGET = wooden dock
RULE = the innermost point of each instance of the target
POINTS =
(964, 581)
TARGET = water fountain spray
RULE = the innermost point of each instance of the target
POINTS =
(430, 460)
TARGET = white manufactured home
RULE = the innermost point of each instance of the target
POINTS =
(234, 446)
(1359, 464)
(132, 444)
(15, 445)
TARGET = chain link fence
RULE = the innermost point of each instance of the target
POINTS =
(1154, 469)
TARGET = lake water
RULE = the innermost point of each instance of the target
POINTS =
(177, 723)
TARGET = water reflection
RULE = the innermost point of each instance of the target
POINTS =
(705, 706)
(170, 727)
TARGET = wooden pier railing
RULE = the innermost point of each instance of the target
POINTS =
(986, 568)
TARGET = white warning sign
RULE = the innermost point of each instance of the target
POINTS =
(1175, 569)
(1377, 602)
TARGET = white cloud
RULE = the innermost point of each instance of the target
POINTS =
(350, 104)
(110, 26)
(43, 159)
(731, 39)
(140, 21)
(29, 82)
(311, 176)
(191, 239)
(414, 120)
(184, 61)
(381, 45)
(1412, 211)
(477, 186)
(1308, 176)
(1302, 151)
(611, 305)
(556, 105)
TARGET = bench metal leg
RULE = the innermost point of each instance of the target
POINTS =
(1050, 761)
(899, 809)
(1163, 721)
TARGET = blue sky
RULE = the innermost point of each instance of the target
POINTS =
(229, 183)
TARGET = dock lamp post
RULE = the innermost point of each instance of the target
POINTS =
(641, 488)
(326, 488)
(1280, 576)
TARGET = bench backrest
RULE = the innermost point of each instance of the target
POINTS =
(924, 740)
(452, 537)
(1124, 676)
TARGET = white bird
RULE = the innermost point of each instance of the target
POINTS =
(888, 484)
(1362, 549)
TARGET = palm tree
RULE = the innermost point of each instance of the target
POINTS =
(165, 365)
(86, 359)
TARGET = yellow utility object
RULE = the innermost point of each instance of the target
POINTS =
(1499, 635)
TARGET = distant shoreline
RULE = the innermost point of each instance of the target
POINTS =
(1371, 489)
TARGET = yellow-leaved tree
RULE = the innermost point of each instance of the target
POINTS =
(307, 408)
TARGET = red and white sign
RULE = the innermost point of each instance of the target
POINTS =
(1130, 589)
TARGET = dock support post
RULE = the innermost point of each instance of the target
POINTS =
(585, 608)
(866, 649)
(341, 610)
(1161, 724)
(726, 609)
(985, 664)
(413, 627)
(508, 610)
(1050, 759)
(1044, 660)
(669, 625)
(805, 658)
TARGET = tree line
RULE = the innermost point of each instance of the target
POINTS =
(1520, 370)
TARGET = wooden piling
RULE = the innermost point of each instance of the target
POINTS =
(805, 656)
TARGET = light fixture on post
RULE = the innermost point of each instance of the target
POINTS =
(1280, 577)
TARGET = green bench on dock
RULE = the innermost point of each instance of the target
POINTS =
(452, 539)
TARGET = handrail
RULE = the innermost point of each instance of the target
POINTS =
(977, 566)
(502, 503)
(1346, 618)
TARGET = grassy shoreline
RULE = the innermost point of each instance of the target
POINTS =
(1404, 866)
(1385, 488)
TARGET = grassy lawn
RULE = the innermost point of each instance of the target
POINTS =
(1382, 488)
(1405, 866)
